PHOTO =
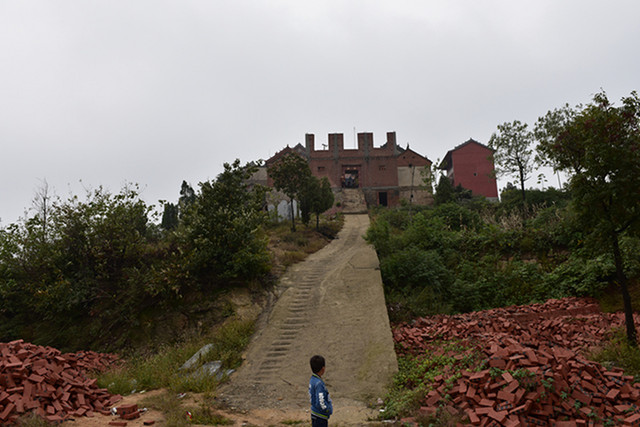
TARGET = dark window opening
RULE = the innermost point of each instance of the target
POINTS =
(382, 198)
(350, 178)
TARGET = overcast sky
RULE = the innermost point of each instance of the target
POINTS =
(153, 92)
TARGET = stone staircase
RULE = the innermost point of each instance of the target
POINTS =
(352, 200)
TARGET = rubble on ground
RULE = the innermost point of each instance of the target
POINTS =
(534, 373)
(53, 384)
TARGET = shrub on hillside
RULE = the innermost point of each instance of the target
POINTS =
(415, 269)
(97, 272)
(458, 258)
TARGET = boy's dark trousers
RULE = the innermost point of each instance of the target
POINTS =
(318, 422)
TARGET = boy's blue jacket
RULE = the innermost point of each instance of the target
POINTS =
(321, 405)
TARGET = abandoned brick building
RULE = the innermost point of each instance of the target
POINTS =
(470, 164)
(389, 174)
(386, 174)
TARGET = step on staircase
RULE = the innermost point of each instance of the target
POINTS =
(352, 201)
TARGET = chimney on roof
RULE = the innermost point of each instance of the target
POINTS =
(336, 142)
(309, 140)
(365, 142)
(391, 141)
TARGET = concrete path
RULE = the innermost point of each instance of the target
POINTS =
(331, 304)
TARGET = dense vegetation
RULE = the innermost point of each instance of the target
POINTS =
(474, 255)
(457, 257)
(101, 273)
(470, 255)
(466, 254)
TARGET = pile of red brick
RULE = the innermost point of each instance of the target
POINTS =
(533, 372)
(54, 385)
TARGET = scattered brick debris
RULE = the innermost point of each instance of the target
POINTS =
(546, 343)
(54, 385)
(128, 412)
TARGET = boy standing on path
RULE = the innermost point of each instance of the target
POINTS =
(321, 406)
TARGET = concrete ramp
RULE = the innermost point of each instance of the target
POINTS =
(352, 200)
(331, 304)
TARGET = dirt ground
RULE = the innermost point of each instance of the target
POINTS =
(331, 304)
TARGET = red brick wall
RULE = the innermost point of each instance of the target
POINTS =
(472, 168)
(377, 167)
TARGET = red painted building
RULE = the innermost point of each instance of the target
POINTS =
(471, 165)
(386, 174)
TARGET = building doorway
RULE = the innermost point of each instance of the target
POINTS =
(382, 198)
(350, 177)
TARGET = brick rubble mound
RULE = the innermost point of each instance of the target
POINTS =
(54, 385)
(549, 340)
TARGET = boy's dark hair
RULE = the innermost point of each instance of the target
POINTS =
(317, 363)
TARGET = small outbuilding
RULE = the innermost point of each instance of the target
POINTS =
(470, 164)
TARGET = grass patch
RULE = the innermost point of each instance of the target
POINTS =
(288, 248)
(32, 420)
(618, 353)
(229, 342)
(292, 257)
(178, 415)
(160, 370)
(416, 373)
(611, 299)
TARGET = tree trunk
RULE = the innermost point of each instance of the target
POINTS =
(293, 218)
(524, 194)
(621, 278)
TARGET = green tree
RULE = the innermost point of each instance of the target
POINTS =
(290, 175)
(90, 278)
(324, 202)
(224, 230)
(307, 196)
(170, 216)
(447, 193)
(444, 191)
(599, 145)
(316, 197)
(187, 197)
(513, 155)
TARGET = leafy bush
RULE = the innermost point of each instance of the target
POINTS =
(98, 273)
(511, 198)
(457, 217)
(223, 235)
(416, 373)
(413, 268)
(463, 257)
(580, 276)
(420, 276)
(83, 273)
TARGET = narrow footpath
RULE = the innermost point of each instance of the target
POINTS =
(331, 304)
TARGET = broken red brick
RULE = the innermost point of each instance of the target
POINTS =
(633, 420)
(40, 378)
(130, 415)
(538, 339)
